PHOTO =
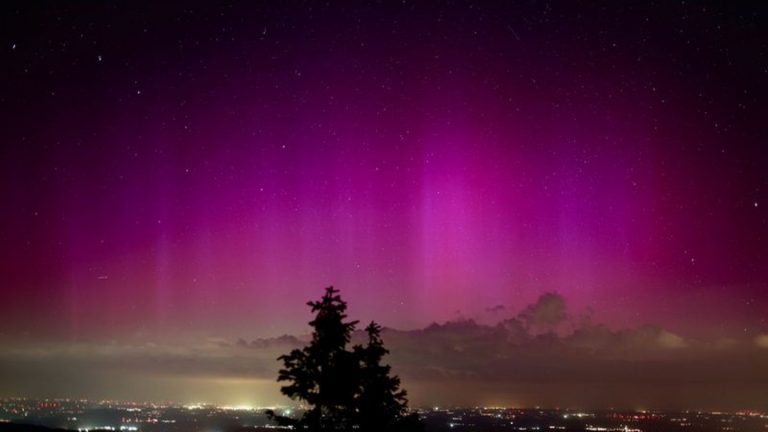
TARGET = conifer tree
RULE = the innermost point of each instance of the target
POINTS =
(381, 403)
(323, 374)
(345, 390)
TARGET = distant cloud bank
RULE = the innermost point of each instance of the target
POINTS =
(542, 355)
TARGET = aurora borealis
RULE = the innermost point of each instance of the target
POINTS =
(180, 173)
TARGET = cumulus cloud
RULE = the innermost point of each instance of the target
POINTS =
(548, 311)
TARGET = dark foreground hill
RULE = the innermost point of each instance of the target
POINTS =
(12, 427)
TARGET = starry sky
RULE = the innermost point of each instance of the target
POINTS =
(170, 171)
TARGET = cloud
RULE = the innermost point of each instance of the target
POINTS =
(546, 313)
(518, 360)
(670, 340)
(761, 341)
(284, 341)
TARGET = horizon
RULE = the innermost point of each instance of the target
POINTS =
(202, 405)
(542, 335)
(134, 416)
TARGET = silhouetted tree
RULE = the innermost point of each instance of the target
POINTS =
(324, 374)
(345, 390)
(382, 405)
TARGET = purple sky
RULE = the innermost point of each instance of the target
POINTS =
(199, 169)
(168, 170)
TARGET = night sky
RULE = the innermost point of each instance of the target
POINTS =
(178, 173)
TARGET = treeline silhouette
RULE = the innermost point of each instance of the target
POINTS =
(345, 389)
